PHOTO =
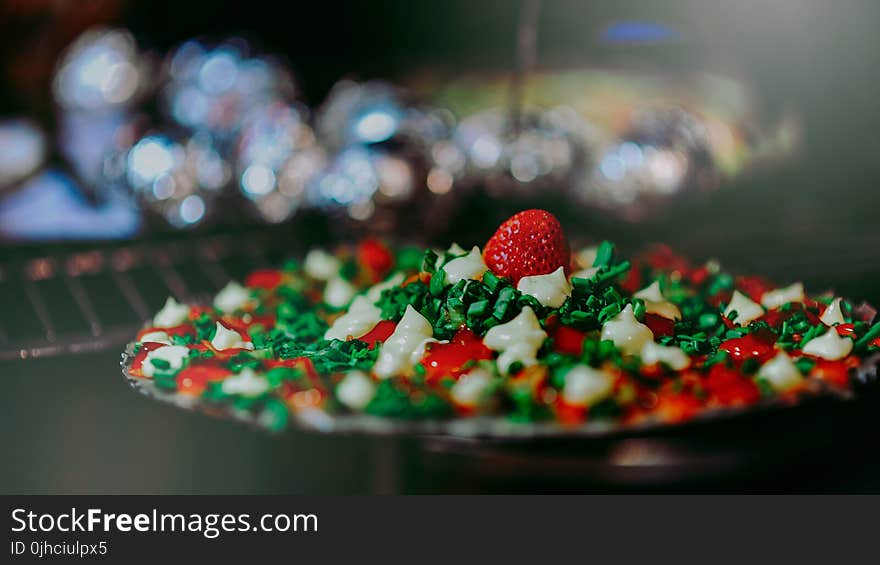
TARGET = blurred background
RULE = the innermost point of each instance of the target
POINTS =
(156, 148)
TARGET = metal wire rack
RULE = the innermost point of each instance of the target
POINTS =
(67, 299)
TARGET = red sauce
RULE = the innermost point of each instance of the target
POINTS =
(195, 378)
(182, 329)
(663, 258)
(237, 325)
(196, 311)
(775, 317)
(699, 275)
(305, 365)
(834, 372)
(721, 297)
(675, 407)
(753, 287)
(729, 387)
(243, 324)
(754, 345)
(659, 325)
(568, 414)
(266, 279)
(381, 332)
(302, 363)
(138, 360)
(568, 341)
(375, 257)
(448, 359)
(633, 280)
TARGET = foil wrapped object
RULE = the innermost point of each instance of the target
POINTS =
(384, 146)
(177, 177)
(665, 152)
(213, 88)
(277, 157)
(541, 150)
(102, 70)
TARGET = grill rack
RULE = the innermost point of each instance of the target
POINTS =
(64, 299)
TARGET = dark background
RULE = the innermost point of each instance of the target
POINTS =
(70, 424)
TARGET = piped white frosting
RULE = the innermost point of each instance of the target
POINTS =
(781, 372)
(550, 290)
(246, 383)
(233, 297)
(470, 266)
(585, 386)
(224, 338)
(405, 346)
(628, 334)
(471, 387)
(174, 355)
(321, 265)
(746, 309)
(517, 341)
(172, 314)
(778, 297)
(671, 356)
(829, 345)
(833, 314)
(656, 304)
(356, 390)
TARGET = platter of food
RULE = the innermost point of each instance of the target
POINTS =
(522, 339)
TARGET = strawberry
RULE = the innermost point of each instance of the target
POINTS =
(528, 243)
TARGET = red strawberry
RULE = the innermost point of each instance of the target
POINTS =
(528, 243)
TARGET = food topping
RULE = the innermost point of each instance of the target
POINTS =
(405, 347)
(468, 266)
(829, 345)
(171, 314)
(833, 314)
(780, 296)
(626, 333)
(742, 309)
(225, 338)
(517, 341)
(232, 298)
(550, 290)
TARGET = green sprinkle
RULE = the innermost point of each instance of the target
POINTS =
(438, 283)
(429, 262)
(505, 298)
(606, 409)
(805, 365)
(205, 327)
(751, 365)
(160, 364)
(410, 258)
(349, 270)
(639, 308)
(708, 321)
(478, 309)
(866, 339)
(491, 281)
(274, 415)
(604, 254)
(765, 387)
